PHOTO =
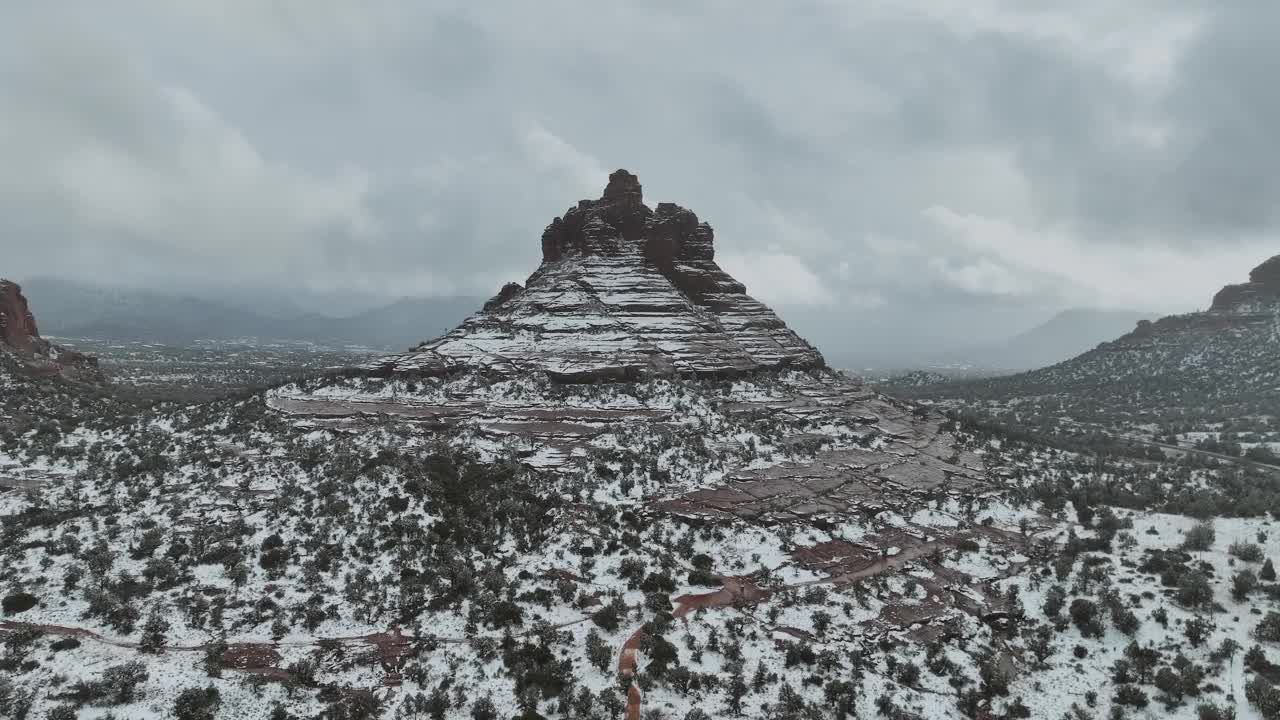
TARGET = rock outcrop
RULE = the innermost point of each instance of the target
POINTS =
(20, 338)
(1241, 320)
(17, 324)
(624, 291)
(1260, 294)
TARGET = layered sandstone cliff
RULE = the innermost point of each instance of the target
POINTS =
(624, 291)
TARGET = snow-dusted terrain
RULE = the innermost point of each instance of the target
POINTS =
(634, 504)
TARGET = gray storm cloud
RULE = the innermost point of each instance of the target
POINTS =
(882, 154)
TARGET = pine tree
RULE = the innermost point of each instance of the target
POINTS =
(758, 680)
(737, 691)
(213, 654)
(598, 653)
(438, 703)
(153, 632)
(1243, 583)
(485, 710)
(1268, 571)
(279, 628)
(1197, 629)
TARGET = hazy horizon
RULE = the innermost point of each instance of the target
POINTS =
(881, 337)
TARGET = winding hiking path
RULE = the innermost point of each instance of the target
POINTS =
(83, 633)
(254, 657)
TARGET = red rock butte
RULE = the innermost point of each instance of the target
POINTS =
(631, 297)
(624, 292)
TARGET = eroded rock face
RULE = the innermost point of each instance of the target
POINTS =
(20, 337)
(623, 292)
(1260, 294)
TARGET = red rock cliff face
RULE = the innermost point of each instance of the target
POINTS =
(19, 335)
(17, 324)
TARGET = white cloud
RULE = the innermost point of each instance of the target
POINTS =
(864, 299)
(776, 277)
(1005, 258)
(888, 247)
(798, 233)
(549, 152)
(1139, 40)
(981, 276)
(171, 176)
(289, 27)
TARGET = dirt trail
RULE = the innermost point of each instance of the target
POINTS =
(82, 633)
(13, 483)
(733, 590)
(627, 668)
(257, 657)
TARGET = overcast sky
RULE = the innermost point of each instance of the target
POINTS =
(849, 154)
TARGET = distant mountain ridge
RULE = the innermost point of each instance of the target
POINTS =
(73, 309)
(1222, 361)
(1061, 337)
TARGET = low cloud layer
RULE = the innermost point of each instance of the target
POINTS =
(849, 155)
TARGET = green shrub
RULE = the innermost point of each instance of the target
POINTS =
(18, 602)
(197, 704)
(1269, 628)
(1248, 552)
(1200, 537)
